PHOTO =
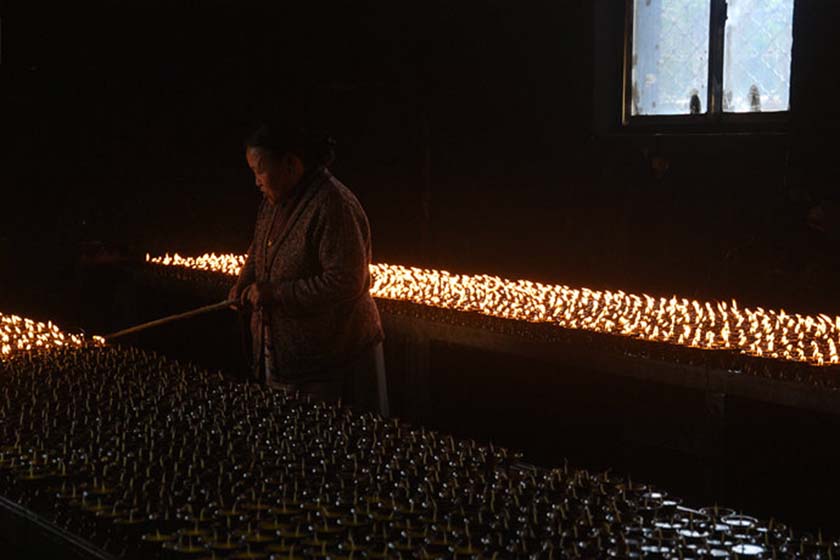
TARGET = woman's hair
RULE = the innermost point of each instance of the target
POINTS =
(279, 138)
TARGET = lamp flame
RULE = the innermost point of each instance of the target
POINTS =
(719, 325)
(19, 334)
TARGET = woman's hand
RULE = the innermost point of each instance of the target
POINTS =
(235, 294)
(257, 295)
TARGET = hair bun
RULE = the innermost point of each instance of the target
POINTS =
(323, 150)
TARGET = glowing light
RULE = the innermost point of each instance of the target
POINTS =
(718, 325)
(19, 334)
(226, 264)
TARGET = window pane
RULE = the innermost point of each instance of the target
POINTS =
(756, 63)
(670, 56)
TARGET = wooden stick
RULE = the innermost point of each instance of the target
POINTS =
(186, 315)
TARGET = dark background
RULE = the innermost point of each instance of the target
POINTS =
(480, 137)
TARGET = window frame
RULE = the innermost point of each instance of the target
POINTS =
(714, 119)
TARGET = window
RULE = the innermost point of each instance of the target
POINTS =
(707, 58)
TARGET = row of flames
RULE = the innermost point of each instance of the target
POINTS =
(19, 334)
(710, 325)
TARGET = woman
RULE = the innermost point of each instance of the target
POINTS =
(315, 327)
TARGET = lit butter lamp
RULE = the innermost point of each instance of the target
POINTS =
(677, 321)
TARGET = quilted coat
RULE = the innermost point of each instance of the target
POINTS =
(316, 264)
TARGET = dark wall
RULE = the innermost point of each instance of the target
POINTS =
(730, 212)
(480, 136)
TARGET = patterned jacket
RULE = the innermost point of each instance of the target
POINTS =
(317, 267)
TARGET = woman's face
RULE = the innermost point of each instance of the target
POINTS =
(273, 176)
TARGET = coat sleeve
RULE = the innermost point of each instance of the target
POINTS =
(341, 239)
